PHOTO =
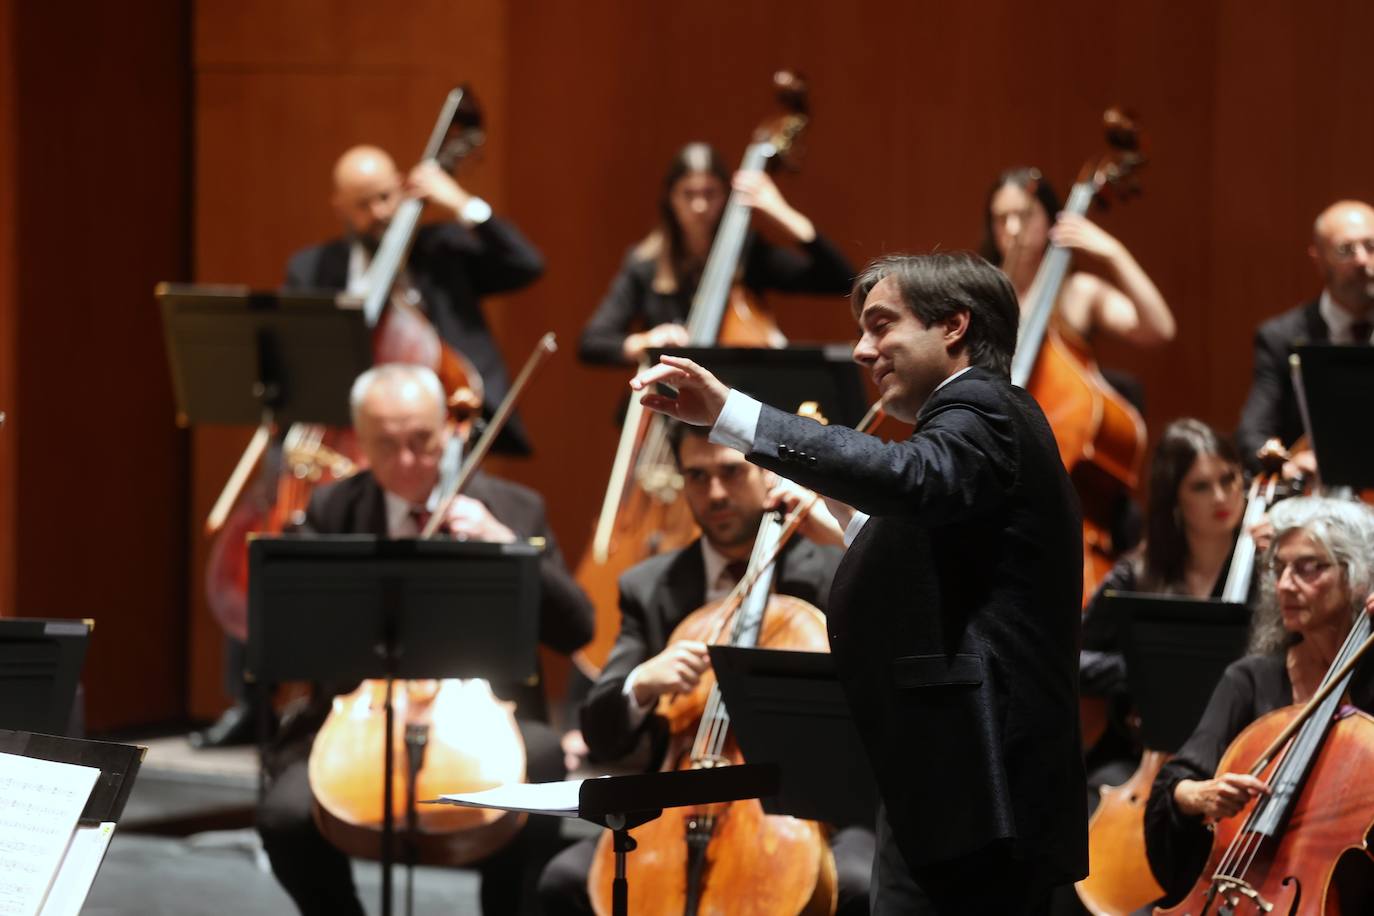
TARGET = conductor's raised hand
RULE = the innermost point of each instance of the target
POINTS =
(700, 395)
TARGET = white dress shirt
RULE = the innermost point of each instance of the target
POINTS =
(1340, 322)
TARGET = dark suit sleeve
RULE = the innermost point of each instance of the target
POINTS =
(1259, 418)
(605, 715)
(603, 338)
(299, 269)
(566, 616)
(496, 256)
(958, 466)
(1175, 843)
(816, 267)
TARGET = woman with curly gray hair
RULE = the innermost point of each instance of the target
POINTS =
(1318, 576)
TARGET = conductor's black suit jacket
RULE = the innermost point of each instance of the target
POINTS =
(954, 620)
(655, 596)
(452, 267)
(1271, 408)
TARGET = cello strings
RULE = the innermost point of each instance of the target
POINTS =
(1298, 750)
(1312, 735)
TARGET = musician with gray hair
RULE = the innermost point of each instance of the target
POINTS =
(1318, 577)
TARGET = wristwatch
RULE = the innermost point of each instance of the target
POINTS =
(476, 211)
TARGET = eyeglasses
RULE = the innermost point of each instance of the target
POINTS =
(1346, 251)
(1305, 569)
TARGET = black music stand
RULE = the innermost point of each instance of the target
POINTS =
(787, 708)
(348, 607)
(783, 379)
(1337, 390)
(246, 358)
(1176, 651)
(620, 803)
(40, 670)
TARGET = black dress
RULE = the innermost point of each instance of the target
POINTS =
(814, 267)
(1176, 844)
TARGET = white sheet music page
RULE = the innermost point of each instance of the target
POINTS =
(561, 799)
(40, 802)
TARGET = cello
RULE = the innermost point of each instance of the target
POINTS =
(1304, 848)
(1101, 435)
(642, 513)
(312, 454)
(446, 733)
(727, 858)
(1119, 880)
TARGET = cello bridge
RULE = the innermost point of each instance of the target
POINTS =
(1231, 889)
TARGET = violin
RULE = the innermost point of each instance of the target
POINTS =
(1119, 880)
(1101, 435)
(1303, 848)
(642, 513)
(449, 736)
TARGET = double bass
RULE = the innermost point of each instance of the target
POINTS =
(312, 454)
(1101, 435)
(1304, 848)
(728, 858)
(642, 512)
(1119, 880)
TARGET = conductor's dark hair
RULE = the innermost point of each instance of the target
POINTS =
(1024, 178)
(1166, 544)
(936, 286)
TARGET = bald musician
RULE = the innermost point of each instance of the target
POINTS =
(1342, 250)
(452, 264)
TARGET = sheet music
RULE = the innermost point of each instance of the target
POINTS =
(561, 799)
(40, 802)
(79, 867)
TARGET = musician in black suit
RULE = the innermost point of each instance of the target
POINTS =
(954, 615)
(1343, 251)
(727, 497)
(398, 412)
(452, 264)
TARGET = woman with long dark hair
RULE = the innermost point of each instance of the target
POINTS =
(1108, 290)
(650, 296)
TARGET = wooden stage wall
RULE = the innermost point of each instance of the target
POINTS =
(94, 199)
(1256, 116)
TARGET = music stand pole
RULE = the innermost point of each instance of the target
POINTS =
(623, 844)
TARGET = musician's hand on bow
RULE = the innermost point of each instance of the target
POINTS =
(818, 525)
(1262, 533)
(430, 183)
(700, 395)
(668, 334)
(677, 669)
(469, 519)
(1300, 464)
(1369, 605)
(1220, 798)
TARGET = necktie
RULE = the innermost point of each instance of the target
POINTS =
(1360, 331)
(735, 569)
(420, 516)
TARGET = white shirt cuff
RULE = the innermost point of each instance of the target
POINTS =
(637, 713)
(851, 531)
(738, 421)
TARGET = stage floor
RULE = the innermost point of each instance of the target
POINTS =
(186, 846)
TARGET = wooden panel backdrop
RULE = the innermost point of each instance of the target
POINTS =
(1257, 115)
(95, 188)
